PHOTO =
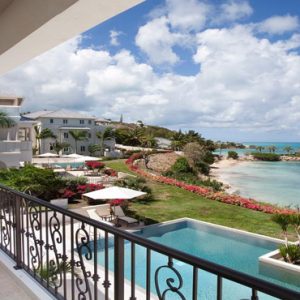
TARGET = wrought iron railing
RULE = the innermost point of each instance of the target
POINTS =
(60, 249)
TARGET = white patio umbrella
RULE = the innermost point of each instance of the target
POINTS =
(114, 192)
(85, 158)
(74, 155)
(48, 155)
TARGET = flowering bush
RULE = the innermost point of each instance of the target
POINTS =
(68, 194)
(110, 172)
(206, 192)
(90, 187)
(94, 164)
(78, 190)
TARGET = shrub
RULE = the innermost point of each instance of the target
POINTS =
(110, 172)
(266, 156)
(181, 166)
(232, 154)
(94, 164)
(203, 167)
(42, 183)
(135, 183)
(290, 253)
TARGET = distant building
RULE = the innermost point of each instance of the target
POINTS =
(16, 141)
(61, 122)
(163, 143)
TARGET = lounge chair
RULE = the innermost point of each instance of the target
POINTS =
(120, 216)
(104, 212)
(94, 215)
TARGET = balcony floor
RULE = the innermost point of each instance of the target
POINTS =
(10, 289)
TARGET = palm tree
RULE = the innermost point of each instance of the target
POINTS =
(78, 135)
(148, 141)
(107, 133)
(5, 120)
(259, 148)
(271, 148)
(283, 220)
(40, 135)
(58, 146)
(178, 140)
(288, 149)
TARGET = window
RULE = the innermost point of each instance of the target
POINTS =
(90, 121)
(89, 135)
(66, 149)
(66, 135)
(82, 148)
(65, 121)
(81, 121)
(51, 121)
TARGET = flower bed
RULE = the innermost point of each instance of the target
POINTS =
(206, 192)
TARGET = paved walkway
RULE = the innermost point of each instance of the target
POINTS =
(10, 289)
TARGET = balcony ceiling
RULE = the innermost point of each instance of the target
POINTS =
(4, 4)
(30, 27)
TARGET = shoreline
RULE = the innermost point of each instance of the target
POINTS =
(218, 174)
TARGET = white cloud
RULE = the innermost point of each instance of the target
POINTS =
(234, 10)
(279, 24)
(243, 81)
(114, 37)
(157, 41)
(187, 15)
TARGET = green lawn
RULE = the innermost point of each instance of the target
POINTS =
(172, 203)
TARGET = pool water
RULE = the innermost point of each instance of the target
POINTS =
(71, 164)
(232, 249)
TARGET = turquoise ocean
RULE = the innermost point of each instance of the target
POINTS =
(273, 182)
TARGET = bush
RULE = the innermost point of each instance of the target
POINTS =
(232, 154)
(181, 166)
(203, 167)
(94, 164)
(135, 183)
(290, 253)
(42, 183)
(266, 156)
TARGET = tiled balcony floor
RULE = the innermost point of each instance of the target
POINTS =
(10, 289)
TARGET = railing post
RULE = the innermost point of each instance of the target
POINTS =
(18, 233)
(119, 268)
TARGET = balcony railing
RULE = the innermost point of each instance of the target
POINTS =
(60, 249)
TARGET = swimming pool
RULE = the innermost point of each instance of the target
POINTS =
(231, 248)
(69, 164)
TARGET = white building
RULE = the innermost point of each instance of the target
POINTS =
(61, 122)
(16, 141)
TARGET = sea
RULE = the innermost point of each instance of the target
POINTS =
(272, 182)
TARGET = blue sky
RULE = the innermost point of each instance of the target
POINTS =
(228, 69)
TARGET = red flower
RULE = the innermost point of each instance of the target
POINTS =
(207, 192)
(93, 164)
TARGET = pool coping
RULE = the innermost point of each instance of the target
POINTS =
(213, 225)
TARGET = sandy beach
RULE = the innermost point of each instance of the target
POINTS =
(217, 172)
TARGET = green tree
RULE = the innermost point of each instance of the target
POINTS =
(107, 133)
(58, 146)
(271, 149)
(178, 141)
(283, 220)
(93, 148)
(148, 141)
(233, 155)
(6, 121)
(78, 135)
(288, 149)
(40, 135)
(259, 148)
